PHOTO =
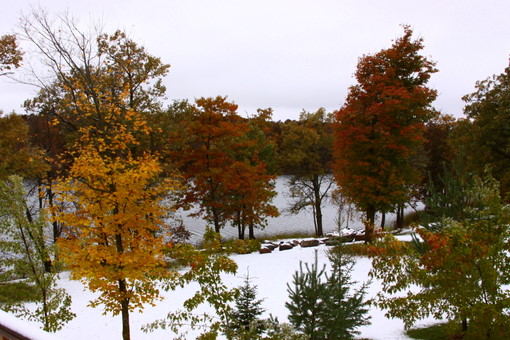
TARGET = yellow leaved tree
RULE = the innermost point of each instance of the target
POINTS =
(114, 240)
(114, 197)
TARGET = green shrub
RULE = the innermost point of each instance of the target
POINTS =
(19, 291)
(241, 246)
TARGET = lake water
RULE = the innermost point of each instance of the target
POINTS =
(284, 224)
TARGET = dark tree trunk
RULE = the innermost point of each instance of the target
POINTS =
(318, 203)
(464, 325)
(240, 230)
(241, 227)
(124, 304)
(57, 227)
(251, 230)
(40, 246)
(400, 216)
(126, 334)
(383, 220)
(216, 220)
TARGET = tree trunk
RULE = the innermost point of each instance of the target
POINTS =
(216, 220)
(126, 334)
(318, 203)
(400, 216)
(240, 234)
(57, 228)
(45, 309)
(369, 224)
(241, 228)
(383, 220)
(251, 229)
(39, 244)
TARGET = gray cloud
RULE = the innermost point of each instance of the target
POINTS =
(293, 55)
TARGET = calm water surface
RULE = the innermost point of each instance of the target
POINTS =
(285, 223)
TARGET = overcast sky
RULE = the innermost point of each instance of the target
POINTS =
(290, 54)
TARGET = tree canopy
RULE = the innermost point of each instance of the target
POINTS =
(488, 109)
(380, 127)
(220, 157)
(10, 54)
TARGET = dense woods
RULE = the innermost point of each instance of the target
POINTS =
(104, 161)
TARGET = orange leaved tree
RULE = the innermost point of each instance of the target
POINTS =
(221, 159)
(380, 127)
(113, 240)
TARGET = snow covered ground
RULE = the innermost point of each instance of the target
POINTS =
(270, 272)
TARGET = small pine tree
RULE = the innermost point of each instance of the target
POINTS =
(325, 309)
(344, 311)
(306, 304)
(244, 321)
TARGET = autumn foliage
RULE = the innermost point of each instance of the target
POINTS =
(10, 54)
(114, 233)
(455, 272)
(218, 154)
(380, 127)
(110, 163)
(17, 153)
(113, 241)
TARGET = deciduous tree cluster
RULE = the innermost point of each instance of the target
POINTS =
(104, 162)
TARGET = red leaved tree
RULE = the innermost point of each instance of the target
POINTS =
(380, 127)
(213, 148)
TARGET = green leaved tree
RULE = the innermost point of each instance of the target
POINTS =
(487, 110)
(25, 254)
(306, 154)
(457, 272)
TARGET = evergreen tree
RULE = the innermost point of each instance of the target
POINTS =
(306, 299)
(321, 305)
(344, 311)
(244, 321)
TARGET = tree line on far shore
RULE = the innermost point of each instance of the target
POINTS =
(107, 162)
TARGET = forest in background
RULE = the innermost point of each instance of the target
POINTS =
(108, 161)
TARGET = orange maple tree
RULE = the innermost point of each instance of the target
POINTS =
(220, 161)
(250, 195)
(380, 127)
